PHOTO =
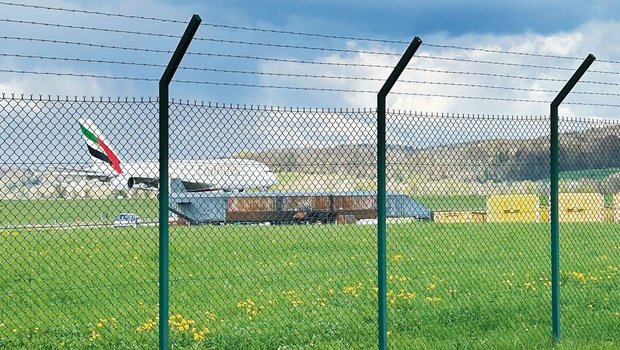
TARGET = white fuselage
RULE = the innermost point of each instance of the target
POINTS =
(199, 175)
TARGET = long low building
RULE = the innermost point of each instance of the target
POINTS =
(291, 207)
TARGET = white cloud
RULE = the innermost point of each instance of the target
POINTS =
(85, 86)
(27, 84)
(316, 128)
(596, 37)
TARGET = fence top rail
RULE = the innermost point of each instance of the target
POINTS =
(252, 107)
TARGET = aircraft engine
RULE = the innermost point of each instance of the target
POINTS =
(142, 183)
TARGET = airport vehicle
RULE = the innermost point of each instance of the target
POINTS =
(195, 175)
(127, 219)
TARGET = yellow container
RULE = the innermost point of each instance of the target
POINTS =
(581, 207)
(513, 208)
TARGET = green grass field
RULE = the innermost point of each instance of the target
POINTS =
(72, 211)
(595, 174)
(479, 286)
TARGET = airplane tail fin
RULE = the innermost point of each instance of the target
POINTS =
(104, 157)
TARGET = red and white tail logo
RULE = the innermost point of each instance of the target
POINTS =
(102, 154)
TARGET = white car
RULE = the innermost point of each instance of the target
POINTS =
(127, 219)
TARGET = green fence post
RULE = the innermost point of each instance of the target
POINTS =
(381, 188)
(555, 176)
(166, 77)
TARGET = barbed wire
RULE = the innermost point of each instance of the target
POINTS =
(99, 29)
(309, 62)
(298, 33)
(81, 75)
(388, 41)
(78, 43)
(300, 88)
(99, 13)
(86, 60)
(297, 75)
(380, 53)
(298, 47)
(429, 70)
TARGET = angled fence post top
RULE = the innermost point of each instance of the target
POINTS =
(400, 66)
(573, 80)
(178, 54)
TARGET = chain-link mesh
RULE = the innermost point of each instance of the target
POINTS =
(273, 227)
(589, 236)
(274, 271)
(479, 274)
(71, 275)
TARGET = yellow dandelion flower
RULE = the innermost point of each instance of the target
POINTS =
(94, 336)
(433, 299)
(398, 258)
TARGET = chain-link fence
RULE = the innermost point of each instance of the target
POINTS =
(74, 272)
(273, 239)
(478, 275)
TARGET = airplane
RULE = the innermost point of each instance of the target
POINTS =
(196, 175)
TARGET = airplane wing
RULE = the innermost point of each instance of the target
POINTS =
(81, 173)
(148, 182)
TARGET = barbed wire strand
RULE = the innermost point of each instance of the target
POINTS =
(303, 88)
(297, 75)
(302, 47)
(98, 29)
(424, 56)
(339, 64)
(89, 12)
(298, 33)
(369, 65)
(78, 43)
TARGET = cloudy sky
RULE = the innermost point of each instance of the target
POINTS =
(478, 57)
(556, 28)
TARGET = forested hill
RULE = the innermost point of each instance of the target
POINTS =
(494, 160)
